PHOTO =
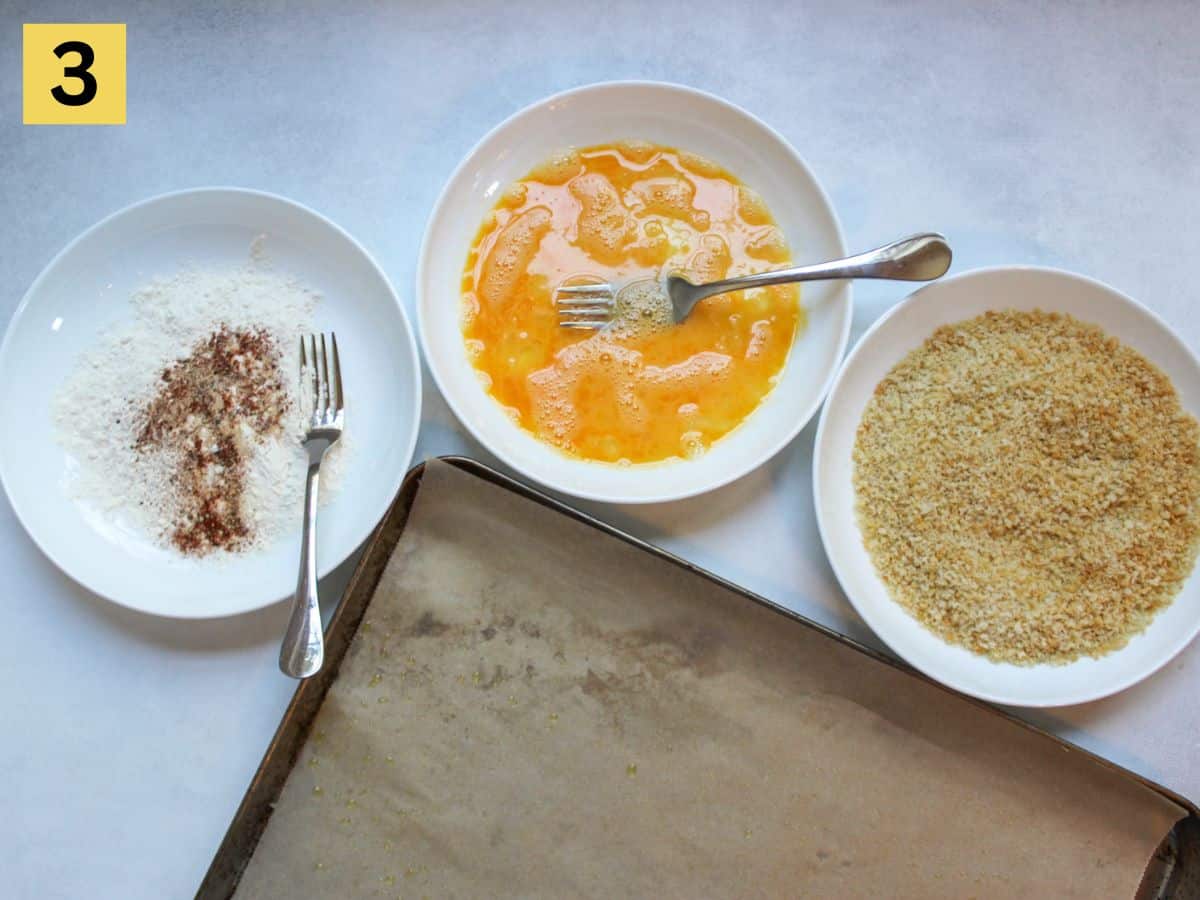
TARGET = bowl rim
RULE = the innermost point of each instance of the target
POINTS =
(615, 496)
(326, 563)
(1063, 697)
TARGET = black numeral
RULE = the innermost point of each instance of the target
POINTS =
(87, 56)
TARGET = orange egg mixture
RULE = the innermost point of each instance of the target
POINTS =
(627, 394)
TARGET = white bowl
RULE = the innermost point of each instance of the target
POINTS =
(674, 116)
(86, 289)
(906, 327)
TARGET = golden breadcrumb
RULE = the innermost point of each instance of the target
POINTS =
(1027, 487)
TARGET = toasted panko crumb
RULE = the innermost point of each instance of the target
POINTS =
(1027, 487)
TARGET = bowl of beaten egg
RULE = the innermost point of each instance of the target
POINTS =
(615, 182)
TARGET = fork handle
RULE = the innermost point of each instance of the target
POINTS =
(303, 649)
(919, 257)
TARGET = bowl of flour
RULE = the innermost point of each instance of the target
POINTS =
(159, 463)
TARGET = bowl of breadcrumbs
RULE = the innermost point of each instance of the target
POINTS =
(1007, 480)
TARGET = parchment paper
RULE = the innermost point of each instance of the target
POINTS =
(532, 709)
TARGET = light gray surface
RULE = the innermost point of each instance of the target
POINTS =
(1061, 135)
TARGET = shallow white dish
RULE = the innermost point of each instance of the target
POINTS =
(86, 289)
(903, 329)
(674, 116)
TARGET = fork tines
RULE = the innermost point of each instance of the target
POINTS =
(584, 305)
(328, 400)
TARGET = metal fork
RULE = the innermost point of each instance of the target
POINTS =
(919, 257)
(303, 649)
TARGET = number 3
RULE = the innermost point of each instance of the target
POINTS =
(87, 56)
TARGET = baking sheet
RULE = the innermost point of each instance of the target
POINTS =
(533, 708)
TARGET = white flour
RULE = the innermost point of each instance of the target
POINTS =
(95, 410)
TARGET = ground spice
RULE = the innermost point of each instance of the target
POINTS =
(210, 408)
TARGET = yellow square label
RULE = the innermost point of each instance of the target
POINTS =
(74, 74)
